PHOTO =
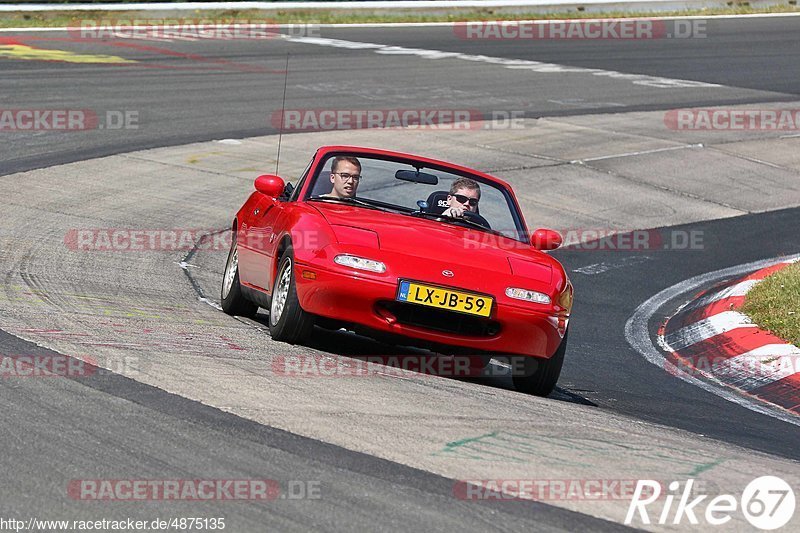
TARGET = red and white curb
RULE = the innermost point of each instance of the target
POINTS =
(709, 338)
(709, 343)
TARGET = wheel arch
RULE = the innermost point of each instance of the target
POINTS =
(285, 242)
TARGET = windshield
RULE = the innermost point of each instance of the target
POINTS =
(401, 187)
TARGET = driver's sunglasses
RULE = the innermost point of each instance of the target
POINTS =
(473, 202)
(345, 176)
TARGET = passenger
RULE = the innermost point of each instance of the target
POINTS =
(464, 196)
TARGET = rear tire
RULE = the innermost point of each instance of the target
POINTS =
(231, 297)
(539, 376)
(287, 320)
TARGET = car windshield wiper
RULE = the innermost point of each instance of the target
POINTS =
(470, 223)
(354, 201)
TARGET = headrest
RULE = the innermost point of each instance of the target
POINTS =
(437, 202)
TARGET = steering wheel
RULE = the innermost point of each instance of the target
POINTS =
(475, 217)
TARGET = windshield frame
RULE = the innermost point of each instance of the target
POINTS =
(324, 156)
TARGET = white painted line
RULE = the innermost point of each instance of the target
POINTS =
(642, 152)
(740, 289)
(759, 367)
(637, 333)
(707, 328)
(516, 64)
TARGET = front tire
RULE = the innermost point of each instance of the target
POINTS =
(287, 320)
(231, 297)
(538, 376)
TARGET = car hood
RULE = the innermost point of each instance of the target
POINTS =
(440, 243)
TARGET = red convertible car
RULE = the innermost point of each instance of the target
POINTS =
(402, 248)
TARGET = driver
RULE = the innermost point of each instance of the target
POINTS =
(345, 176)
(464, 196)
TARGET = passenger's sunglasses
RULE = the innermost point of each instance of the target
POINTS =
(473, 202)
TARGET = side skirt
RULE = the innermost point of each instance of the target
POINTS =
(257, 297)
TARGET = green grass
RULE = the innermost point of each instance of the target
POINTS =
(774, 304)
(73, 18)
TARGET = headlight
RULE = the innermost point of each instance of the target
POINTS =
(360, 263)
(528, 296)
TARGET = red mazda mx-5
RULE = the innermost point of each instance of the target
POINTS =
(406, 248)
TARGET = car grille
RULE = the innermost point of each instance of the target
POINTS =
(441, 319)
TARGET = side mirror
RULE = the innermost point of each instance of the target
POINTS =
(270, 184)
(546, 239)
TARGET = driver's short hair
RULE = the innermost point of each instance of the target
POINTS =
(465, 183)
(350, 159)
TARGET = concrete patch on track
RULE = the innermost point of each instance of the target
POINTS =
(137, 304)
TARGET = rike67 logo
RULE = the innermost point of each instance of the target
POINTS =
(767, 503)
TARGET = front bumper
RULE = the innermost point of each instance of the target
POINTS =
(353, 297)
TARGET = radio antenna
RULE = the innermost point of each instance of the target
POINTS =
(283, 110)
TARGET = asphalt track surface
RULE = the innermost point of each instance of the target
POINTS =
(66, 427)
(186, 91)
(110, 424)
(612, 375)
